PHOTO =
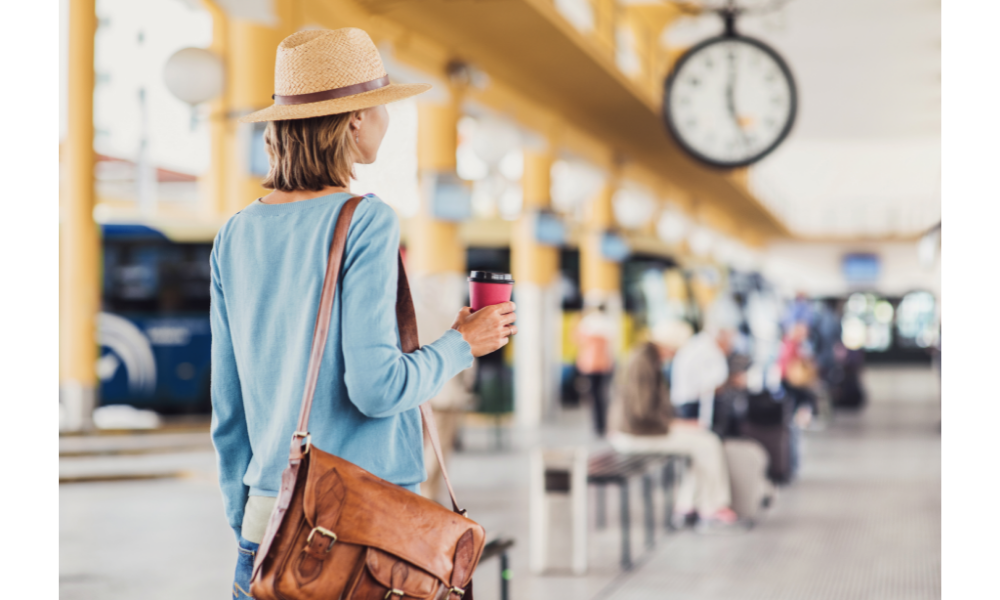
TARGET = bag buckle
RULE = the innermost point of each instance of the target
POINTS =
(322, 531)
(393, 592)
(457, 590)
(308, 438)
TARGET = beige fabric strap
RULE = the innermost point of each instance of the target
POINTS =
(406, 321)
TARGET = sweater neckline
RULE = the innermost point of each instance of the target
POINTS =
(260, 208)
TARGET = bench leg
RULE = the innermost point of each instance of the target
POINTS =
(626, 527)
(647, 500)
(602, 507)
(504, 577)
(669, 489)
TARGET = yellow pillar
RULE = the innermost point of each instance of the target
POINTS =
(213, 183)
(433, 246)
(532, 262)
(80, 248)
(600, 279)
(250, 55)
(538, 345)
(598, 274)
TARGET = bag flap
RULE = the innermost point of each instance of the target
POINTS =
(362, 509)
(396, 574)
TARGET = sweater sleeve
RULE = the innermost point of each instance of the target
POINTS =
(229, 426)
(381, 380)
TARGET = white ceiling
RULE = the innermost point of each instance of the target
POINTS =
(863, 160)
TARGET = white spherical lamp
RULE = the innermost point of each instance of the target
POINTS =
(672, 226)
(194, 75)
(632, 207)
(493, 139)
(701, 241)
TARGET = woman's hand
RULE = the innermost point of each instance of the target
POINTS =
(488, 328)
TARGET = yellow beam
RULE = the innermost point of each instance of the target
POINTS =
(80, 245)
(605, 22)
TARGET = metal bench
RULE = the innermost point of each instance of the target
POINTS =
(558, 472)
(613, 468)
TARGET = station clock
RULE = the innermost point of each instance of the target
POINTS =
(729, 100)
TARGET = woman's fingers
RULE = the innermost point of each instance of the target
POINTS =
(508, 318)
(504, 307)
(512, 329)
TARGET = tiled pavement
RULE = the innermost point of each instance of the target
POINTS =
(862, 522)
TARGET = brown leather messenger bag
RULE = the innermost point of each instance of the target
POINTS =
(336, 530)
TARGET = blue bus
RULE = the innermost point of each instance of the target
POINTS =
(153, 328)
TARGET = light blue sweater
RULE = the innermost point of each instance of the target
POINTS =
(268, 264)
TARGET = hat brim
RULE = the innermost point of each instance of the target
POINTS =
(390, 93)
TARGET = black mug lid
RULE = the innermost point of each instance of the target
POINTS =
(490, 277)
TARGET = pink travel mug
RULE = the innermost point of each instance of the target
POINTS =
(487, 288)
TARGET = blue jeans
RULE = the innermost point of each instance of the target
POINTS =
(244, 568)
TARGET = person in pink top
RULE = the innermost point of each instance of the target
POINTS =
(595, 361)
(791, 346)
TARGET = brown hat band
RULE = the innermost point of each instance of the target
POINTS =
(348, 90)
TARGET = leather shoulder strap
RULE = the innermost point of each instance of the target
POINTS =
(322, 328)
(409, 340)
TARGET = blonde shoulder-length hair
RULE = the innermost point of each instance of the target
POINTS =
(310, 154)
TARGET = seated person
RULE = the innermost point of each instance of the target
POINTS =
(641, 420)
(731, 399)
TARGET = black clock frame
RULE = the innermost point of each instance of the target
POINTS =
(730, 36)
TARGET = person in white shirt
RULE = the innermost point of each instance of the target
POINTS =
(699, 369)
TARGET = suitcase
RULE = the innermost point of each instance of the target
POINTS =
(848, 393)
(747, 461)
(765, 408)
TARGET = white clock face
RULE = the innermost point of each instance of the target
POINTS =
(730, 101)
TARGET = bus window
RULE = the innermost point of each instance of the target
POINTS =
(156, 277)
(916, 322)
(867, 323)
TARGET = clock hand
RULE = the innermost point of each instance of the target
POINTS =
(731, 98)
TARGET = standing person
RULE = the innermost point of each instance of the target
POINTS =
(642, 420)
(798, 376)
(268, 265)
(595, 360)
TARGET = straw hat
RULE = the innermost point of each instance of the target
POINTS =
(322, 72)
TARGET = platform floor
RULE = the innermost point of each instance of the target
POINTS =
(862, 522)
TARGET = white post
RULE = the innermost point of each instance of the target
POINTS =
(538, 513)
(578, 492)
(529, 363)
